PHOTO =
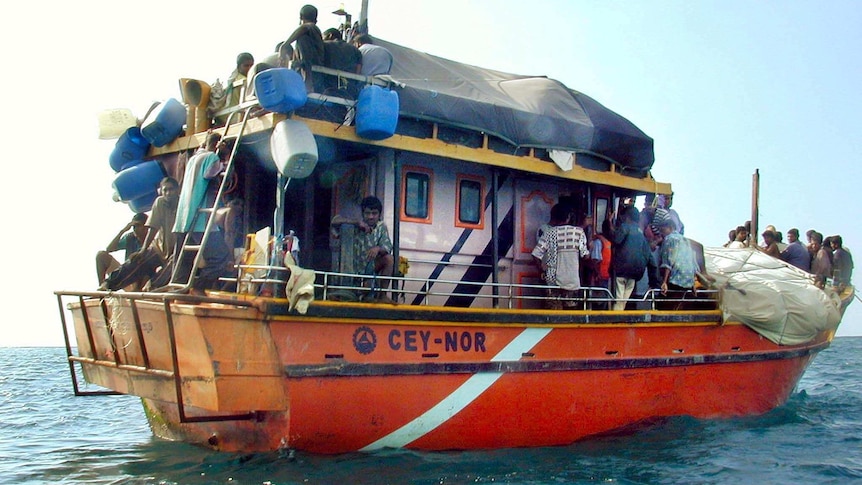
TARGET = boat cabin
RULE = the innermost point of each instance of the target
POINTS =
(472, 164)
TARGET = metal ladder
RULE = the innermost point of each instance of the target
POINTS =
(177, 283)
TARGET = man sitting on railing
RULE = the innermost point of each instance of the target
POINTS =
(372, 248)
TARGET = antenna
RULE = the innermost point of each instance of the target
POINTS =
(347, 18)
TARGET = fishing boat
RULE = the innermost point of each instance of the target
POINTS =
(458, 349)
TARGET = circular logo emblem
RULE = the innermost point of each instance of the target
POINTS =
(364, 340)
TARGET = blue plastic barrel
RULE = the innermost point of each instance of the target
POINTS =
(143, 203)
(131, 148)
(164, 123)
(376, 113)
(138, 180)
(280, 90)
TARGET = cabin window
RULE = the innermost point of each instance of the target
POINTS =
(470, 210)
(416, 198)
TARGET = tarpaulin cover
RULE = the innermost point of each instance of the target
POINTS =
(775, 299)
(526, 111)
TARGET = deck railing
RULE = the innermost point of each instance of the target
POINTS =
(330, 285)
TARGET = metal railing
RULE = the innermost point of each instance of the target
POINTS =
(172, 373)
(330, 285)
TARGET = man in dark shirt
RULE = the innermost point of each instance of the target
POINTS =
(338, 54)
(796, 253)
(342, 56)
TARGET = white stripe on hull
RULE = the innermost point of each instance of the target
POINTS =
(461, 397)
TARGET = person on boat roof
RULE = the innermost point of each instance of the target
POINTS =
(342, 56)
(372, 248)
(339, 54)
(279, 58)
(244, 61)
(130, 238)
(309, 45)
(375, 59)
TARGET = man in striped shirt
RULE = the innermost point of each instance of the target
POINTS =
(558, 253)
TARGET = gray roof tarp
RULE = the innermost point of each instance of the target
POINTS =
(526, 111)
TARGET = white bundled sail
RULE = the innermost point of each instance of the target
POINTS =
(777, 300)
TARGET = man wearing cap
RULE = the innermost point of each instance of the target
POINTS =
(796, 253)
(130, 238)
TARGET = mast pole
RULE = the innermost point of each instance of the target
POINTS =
(755, 204)
(363, 15)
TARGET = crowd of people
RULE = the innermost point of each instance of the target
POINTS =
(825, 258)
(633, 251)
(154, 256)
(345, 48)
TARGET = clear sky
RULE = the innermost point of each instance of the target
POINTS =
(724, 88)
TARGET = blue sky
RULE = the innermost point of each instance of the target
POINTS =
(724, 88)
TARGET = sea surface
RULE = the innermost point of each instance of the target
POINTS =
(47, 435)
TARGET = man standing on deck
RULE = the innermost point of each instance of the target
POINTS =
(842, 264)
(631, 254)
(558, 253)
(204, 166)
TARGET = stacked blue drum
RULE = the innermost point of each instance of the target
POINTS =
(138, 185)
(165, 123)
(130, 150)
(137, 180)
(280, 90)
(376, 113)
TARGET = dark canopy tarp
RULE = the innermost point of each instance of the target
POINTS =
(527, 111)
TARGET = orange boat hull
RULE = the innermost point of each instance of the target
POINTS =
(352, 377)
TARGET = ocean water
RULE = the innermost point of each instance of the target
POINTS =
(47, 435)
